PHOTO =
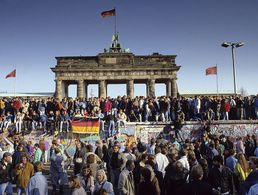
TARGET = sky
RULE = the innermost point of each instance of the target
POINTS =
(34, 32)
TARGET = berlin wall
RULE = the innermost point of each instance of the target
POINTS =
(192, 129)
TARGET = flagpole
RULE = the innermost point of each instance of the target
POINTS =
(14, 82)
(14, 86)
(115, 20)
(217, 81)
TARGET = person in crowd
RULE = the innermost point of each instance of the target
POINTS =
(16, 157)
(156, 176)
(92, 163)
(38, 153)
(184, 159)
(121, 118)
(110, 119)
(191, 157)
(43, 122)
(126, 180)
(221, 177)
(252, 178)
(44, 145)
(64, 120)
(75, 185)
(24, 171)
(228, 144)
(196, 186)
(225, 107)
(7, 121)
(38, 183)
(116, 165)
(18, 121)
(102, 183)
(256, 152)
(56, 171)
(249, 146)
(146, 186)
(132, 117)
(231, 161)
(87, 180)
(241, 171)
(151, 147)
(253, 190)
(161, 160)
(99, 149)
(6, 174)
(240, 145)
(176, 178)
(205, 167)
(78, 158)
(35, 120)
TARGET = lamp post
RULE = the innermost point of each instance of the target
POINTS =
(233, 46)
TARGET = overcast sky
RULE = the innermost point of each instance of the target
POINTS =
(33, 32)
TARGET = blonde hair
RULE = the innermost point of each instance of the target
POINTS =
(243, 162)
(102, 173)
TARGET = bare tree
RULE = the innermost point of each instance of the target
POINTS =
(243, 92)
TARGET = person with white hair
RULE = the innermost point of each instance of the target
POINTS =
(102, 183)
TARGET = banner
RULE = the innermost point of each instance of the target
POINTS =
(85, 125)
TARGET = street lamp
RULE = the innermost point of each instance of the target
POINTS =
(233, 46)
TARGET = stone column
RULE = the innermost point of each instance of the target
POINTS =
(130, 88)
(102, 88)
(168, 88)
(80, 89)
(86, 90)
(173, 88)
(151, 87)
(66, 90)
(59, 89)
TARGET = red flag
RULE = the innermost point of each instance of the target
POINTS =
(11, 74)
(111, 12)
(211, 70)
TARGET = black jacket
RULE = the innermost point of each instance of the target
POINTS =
(196, 188)
(5, 172)
(221, 179)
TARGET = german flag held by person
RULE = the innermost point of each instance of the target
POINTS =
(111, 12)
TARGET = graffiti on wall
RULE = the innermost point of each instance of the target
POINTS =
(148, 132)
(194, 131)
(233, 130)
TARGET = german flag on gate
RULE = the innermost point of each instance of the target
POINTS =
(85, 125)
(111, 12)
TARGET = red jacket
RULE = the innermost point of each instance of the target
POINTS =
(16, 104)
(226, 107)
(107, 106)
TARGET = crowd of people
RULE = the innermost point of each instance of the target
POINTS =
(209, 165)
(163, 166)
(51, 114)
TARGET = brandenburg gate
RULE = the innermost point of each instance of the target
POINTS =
(115, 66)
